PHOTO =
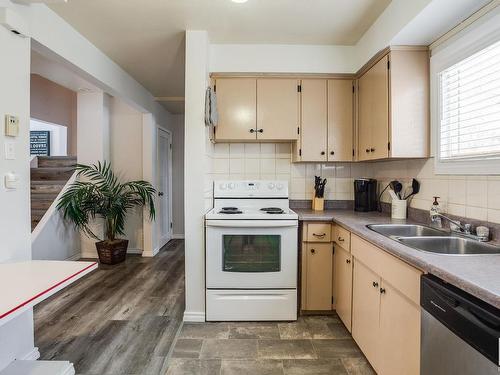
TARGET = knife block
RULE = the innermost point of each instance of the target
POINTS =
(318, 204)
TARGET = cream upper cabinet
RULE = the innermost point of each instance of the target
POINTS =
(399, 333)
(236, 104)
(342, 273)
(319, 260)
(373, 112)
(314, 120)
(277, 109)
(340, 120)
(393, 106)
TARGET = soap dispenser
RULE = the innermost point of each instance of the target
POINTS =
(435, 211)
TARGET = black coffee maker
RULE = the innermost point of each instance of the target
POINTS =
(365, 194)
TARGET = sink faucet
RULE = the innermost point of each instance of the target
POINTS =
(457, 227)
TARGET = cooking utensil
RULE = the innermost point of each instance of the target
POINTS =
(393, 195)
(415, 188)
(397, 187)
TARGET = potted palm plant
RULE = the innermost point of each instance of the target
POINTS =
(99, 194)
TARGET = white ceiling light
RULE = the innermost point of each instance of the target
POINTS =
(239, 1)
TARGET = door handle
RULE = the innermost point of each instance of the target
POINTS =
(348, 261)
(261, 130)
(313, 251)
(372, 150)
(367, 150)
(382, 290)
(332, 152)
(160, 193)
(375, 284)
(252, 130)
(340, 239)
(322, 152)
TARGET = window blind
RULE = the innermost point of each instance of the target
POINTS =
(470, 107)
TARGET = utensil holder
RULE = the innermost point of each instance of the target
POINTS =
(399, 208)
(318, 204)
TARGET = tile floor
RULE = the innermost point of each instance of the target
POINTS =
(313, 345)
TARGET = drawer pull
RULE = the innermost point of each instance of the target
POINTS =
(313, 251)
(252, 130)
(372, 149)
(319, 235)
(382, 291)
(340, 239)
(348, 261)
(375, 284)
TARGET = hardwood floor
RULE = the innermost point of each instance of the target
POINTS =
(119, 320)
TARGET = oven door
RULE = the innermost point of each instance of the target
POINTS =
(246, 254)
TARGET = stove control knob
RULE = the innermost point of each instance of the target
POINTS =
(280, 186)
(223, 186)
(231, 185)
(271, 186)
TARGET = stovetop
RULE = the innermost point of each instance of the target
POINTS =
(251, 213)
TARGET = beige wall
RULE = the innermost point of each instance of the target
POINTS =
(53, 103)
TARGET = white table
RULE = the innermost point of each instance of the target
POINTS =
(24, 284)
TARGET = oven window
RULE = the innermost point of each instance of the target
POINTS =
(251, 253)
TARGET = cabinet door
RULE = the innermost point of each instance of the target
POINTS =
(364, 116)
(343, 285)
(236, 105)
(399, 333)
(380, 109)
(340, 120)
(313, 131)
(277, 109)
(319, 276)
(365, 310)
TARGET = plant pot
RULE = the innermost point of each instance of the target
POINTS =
(112, 252)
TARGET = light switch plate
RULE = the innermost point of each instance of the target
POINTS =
(11, 125)
(10, 151)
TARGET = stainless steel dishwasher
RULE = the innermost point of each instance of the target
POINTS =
(460, 333)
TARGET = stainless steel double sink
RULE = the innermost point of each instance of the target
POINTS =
(432, 240)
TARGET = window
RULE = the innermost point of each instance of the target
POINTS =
(469, 109)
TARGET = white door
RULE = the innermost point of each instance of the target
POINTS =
(164, 162)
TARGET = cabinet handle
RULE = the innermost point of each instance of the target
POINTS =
(367, 150)
(332, 152)
(319, 235)
(348, 261)
(382, 291)
(252, 130)
(375, 284)
(313, 251)
(372, 150)
(340, 239)
(322, 152)
(261, 130)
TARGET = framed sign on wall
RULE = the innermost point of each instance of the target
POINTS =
(40, 142)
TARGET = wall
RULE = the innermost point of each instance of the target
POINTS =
(197, 67)
(178, 176)
(126, 159)
(56, 104)
(16, 337)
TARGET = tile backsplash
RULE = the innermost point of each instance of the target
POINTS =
(475, 197)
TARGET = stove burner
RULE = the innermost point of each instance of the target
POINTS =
(230, 210)
(273, 210)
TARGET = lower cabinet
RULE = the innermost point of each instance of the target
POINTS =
(318, 276)
(365, 311)
(385, 310)
(342, 273)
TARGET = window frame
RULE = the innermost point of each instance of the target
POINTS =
(475, 38)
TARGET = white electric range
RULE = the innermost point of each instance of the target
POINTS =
(251, 252)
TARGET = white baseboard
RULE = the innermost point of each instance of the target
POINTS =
(177, 236)
(194, 316)
(33, 355)
(74, 257)
(134, 251)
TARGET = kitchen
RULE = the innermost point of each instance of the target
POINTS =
(361, 132)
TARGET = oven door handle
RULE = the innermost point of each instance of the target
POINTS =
(252, 223)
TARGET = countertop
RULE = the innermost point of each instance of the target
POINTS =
(478, 275)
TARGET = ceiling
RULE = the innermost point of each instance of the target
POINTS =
(146, 37)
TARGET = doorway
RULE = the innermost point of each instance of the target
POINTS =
(164, 163)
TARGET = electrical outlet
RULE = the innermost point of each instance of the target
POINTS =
(11, 125)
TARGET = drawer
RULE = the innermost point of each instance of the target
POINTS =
(396, 272)
(342, 237)
(319, 232)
